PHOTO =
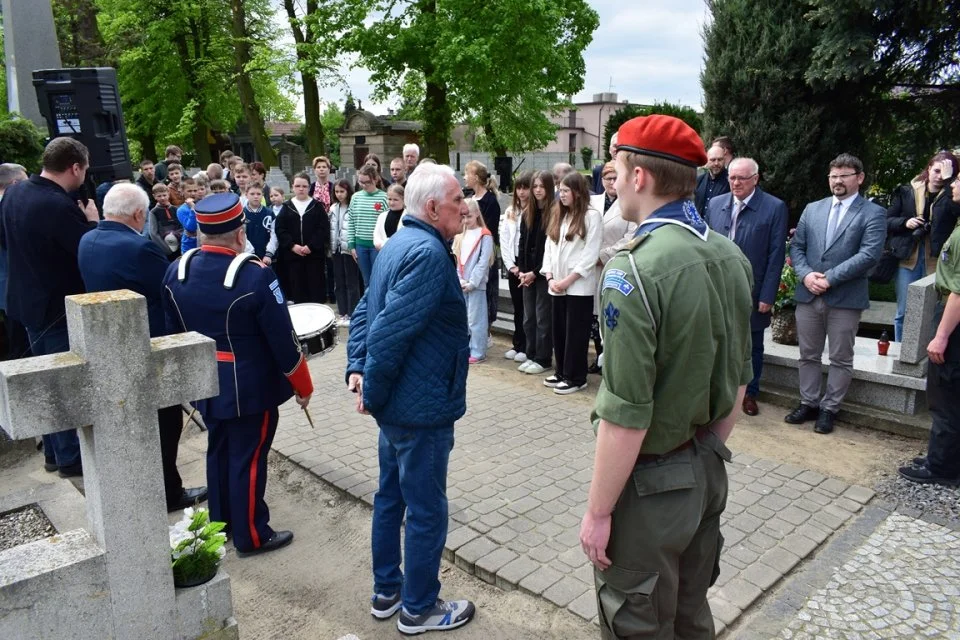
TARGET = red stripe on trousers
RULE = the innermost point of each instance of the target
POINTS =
(253, 480)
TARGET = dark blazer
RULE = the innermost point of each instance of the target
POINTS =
(709, 187)
(42, 227)
(762, 236)
(847, 261)
(114, 256)
(944, 213)
(532, 244)
(313, 231)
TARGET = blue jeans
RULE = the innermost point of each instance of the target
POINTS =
(477, 321)
(64, 446)
(756, 355)
(904, 279)
(413, 478)
(366, 256)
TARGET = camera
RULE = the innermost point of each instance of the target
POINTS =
(922, 230)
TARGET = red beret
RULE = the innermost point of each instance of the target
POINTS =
(662, 137)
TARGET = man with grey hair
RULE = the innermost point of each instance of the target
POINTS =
(17, 344)
(116, 256)
(411, 156)
(214, 171)
(407, 363)
(757, 223)
(560, 170)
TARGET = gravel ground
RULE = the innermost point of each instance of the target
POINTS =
(22, 526)
(934, 500)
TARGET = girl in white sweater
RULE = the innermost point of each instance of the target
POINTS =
(570, 266)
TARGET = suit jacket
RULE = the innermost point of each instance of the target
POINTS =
(762, 236)
(709, 187)
(855, 249)
(114, 256)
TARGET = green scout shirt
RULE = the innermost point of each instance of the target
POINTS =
(948, 266)
(676, 342)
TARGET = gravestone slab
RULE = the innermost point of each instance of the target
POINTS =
(917, 328)
(276, 178)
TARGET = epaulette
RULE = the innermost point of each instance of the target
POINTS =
(230, 280)
(185, 264)
(636, 241)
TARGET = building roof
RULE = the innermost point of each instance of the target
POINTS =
(282, 128)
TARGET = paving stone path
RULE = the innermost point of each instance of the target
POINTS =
(518, 481)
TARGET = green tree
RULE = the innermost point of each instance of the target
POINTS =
(81, 44)
(21, 141)
(502, 65)
(332, 120)
(243, 43)
(616, 120)
(755, 87)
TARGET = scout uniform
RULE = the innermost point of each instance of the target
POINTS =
(675, 318)
(943, 382)
(236, 300)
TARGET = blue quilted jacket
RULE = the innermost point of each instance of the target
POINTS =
(409, 335)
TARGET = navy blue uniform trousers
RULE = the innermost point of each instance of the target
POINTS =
(237, 475)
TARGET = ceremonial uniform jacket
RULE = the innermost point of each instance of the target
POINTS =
(675, 319)
(258, 355)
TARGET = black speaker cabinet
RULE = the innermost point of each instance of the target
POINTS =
(84, 104)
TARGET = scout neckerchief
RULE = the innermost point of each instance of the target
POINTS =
(679, 212)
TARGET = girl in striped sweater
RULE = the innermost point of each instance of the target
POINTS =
(365, 207)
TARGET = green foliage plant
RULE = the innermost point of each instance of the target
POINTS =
(196, 546)
(21, 141)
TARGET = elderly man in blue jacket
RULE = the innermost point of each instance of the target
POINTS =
(757, 223)
(407, 362)
(115, 256)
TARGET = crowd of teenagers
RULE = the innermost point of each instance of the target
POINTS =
(324, 237)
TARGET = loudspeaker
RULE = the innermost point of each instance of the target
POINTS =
(84, 103)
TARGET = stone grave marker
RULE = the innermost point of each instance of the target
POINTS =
(276, 178)
(108, 386)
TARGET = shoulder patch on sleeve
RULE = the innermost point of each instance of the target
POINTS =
(277, 292)
(617, 279)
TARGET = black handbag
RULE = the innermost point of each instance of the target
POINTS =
(885, 269)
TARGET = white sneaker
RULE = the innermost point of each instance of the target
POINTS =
(565, 388)
(345, 321)
(553, 381)
(523, 367)
(520, 357)
(490, 341)
(510, 355)
(534, 367)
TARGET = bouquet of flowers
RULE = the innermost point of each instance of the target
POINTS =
(196, 547)
(788, 287)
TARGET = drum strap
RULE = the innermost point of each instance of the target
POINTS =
(185, 263)
(230, 280)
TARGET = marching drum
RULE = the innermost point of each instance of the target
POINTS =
(315, 326)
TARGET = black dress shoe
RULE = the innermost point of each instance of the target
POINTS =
(278, 540)
(801, 414)
(70, 470)
(750, 406)
(50, 465)
(594, 368)
(188, 498)
(923, 475)
(825, 422)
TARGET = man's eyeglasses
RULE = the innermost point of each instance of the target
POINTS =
(741, 178)
(842, 176)
(610, 179)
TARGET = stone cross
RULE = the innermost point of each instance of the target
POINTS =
(110, 385)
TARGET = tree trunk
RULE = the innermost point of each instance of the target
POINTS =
(311, 95)
(492, 140)
(200, 128)
(148, 147)
(201, 144)
(248, 101)
(436, 122)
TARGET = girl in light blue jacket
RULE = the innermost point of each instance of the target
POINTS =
(474, 250)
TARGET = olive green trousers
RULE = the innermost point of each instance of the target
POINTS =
(665, 546)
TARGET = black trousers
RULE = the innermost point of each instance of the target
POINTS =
(170, 420)
(307, 279)
(18, 344)
(330, 279)
(538, 322)
(571, 336)
(493, 293)
(516, 297)
(943, 389)
(346, 276)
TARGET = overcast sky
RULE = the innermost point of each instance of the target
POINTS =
(646, 52)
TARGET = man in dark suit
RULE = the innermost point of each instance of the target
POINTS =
(757, 223)
(42, 225)
(713, 182)
(116, 256)
(838, 240)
